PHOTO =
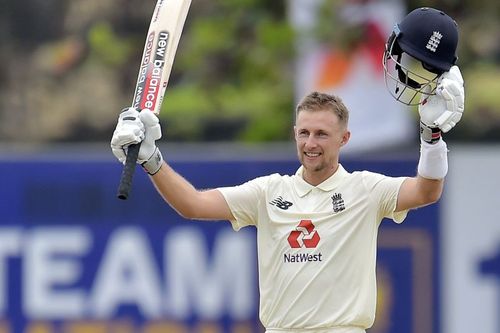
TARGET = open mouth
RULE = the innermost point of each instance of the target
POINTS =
(312, 154)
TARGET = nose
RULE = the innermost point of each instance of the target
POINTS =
(311, 141)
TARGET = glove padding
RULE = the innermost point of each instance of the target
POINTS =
(444, 109)
(138, 127)
(128, 131)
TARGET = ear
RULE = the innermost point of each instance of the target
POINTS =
(345, 138)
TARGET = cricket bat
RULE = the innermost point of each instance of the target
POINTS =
(161, 44)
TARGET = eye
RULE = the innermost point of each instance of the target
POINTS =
(322, 134)
(303, 133)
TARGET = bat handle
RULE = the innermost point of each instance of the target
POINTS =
(128, 172)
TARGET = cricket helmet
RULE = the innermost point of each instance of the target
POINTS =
(425, 36)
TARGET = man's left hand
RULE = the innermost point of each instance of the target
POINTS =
(444, 110)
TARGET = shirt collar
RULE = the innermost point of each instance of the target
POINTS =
(302, 187)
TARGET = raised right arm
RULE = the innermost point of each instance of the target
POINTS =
(187, 200)
(134, 127)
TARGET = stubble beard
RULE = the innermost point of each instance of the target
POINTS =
(317, 168)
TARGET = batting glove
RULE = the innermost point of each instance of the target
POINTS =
(149, 155)
(442, 111)
(138, 127)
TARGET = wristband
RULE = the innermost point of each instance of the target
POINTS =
(433, 163)
(154, 163)
(429, 134)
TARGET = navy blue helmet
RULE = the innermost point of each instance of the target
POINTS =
(427, 37)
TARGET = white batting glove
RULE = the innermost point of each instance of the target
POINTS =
(442, 111)
(128, 131)
(138, 127)
(149, 155)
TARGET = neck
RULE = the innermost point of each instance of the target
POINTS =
(315, 178)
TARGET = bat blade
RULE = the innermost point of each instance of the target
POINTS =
(158, 56)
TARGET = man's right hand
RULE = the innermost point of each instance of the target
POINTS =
(138, 127)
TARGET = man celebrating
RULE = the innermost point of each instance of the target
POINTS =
(334, 214)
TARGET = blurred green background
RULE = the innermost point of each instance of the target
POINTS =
(68, 67)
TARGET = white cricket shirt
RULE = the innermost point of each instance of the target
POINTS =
(316, 246)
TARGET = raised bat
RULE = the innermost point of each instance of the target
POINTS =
(158, 56)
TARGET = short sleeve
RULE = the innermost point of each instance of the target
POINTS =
(243, 200)
(384, 191)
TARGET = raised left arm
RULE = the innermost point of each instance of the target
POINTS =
(438, 113)
(418, 192)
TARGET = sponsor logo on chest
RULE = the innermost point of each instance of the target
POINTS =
(305, 235)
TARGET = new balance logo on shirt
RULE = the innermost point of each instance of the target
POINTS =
(280, 203)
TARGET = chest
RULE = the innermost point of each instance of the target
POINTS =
(283, 205)
(317, 214)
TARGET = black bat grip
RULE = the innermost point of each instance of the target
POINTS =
(128, 172)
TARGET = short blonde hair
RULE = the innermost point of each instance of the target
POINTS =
(317, 101)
